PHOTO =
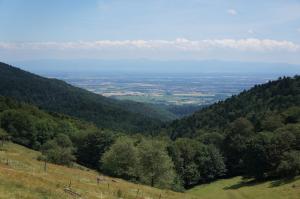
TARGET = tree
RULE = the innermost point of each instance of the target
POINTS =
(92, 146)
(121, 159)
(210, 163)
(211, 138)
(155, 166)
(289, 165)
(292, 115)
(59, 150)
(273, 154)
(257, 159)
(183, 152)
(45, 130)
(63, 141)
(3, 136)
(241, 126)
(235, 144)
(20, 125)
(272, 122)
(295, 130)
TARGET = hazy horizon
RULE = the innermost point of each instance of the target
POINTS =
(133, 66)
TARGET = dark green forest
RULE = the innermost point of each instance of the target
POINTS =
(255, 134)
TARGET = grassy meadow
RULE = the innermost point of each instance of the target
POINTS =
(237, 188)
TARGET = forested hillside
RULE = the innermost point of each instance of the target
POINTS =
(257, 131)
(58, 96)
(57, 136)
(262, 102)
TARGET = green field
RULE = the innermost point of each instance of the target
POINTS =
(22, 176)
(236, 188)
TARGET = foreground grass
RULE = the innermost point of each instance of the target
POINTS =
(237, 188)
(24, 177)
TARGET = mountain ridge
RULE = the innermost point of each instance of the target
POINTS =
(254, 104)
(58, 96)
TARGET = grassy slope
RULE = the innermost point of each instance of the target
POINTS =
(24, 177)
(236, 188)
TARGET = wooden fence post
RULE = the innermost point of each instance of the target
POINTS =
(137, 193)
(45, 165)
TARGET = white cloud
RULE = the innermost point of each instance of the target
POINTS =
(232, 11)
(180, 44)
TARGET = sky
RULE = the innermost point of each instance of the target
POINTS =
(239, 30)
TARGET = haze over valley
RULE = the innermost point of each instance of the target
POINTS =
(176, 89)
(193, 82)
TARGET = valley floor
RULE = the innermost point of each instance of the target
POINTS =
(22, 176)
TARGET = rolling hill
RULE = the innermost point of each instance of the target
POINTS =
(57, 96)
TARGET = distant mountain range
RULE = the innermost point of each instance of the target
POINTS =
(95, 67)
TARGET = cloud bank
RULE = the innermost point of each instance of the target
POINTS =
(249, 49)
(180, 44)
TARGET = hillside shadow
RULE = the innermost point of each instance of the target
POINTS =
(243, 183)
(284, 181)
(248, 183)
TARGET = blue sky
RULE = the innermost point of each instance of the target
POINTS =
(264, 31)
